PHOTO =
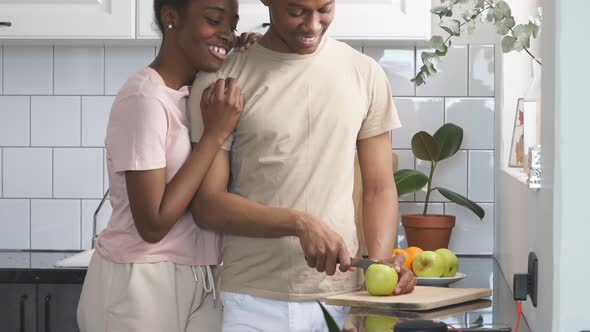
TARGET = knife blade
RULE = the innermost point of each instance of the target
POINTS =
(364, 263)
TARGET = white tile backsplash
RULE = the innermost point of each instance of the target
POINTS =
(399, 65)
(26, 172)
(416, 114)
(95, 117)
(480, 272)
(77, 173)
(405, 161)
(122, 62)
(1, 69)
(78, 70)
(54, 112)
(476, 117)
(481, 176)
(451, 79)
(449, 174)
(15, 224)
(55, 224)
(55, 121)
(481, 70)
(14, 121)
(472, 235)
(105, 172)
(88, 209)
(28, 70)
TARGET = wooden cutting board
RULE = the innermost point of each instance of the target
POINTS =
(422, 298)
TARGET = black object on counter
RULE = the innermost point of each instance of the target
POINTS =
(420, 326)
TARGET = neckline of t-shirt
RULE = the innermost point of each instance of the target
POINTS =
(289, 56)
(183, 91)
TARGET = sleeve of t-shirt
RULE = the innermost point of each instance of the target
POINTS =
(136, 136)
(202, 81)
(381, 115)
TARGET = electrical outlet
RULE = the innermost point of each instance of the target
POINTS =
(526, 284)
(533, 277)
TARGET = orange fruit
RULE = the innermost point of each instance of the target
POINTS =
(398, 251)
(412, 252)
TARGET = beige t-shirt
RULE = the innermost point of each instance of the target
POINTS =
(294, 147)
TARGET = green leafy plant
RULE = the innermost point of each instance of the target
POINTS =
(515, 37)
(332, 327)
(444, 144)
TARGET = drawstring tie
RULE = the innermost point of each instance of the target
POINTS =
(208, 283)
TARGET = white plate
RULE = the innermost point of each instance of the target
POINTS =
(439, 281)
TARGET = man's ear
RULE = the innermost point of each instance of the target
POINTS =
(266, 2)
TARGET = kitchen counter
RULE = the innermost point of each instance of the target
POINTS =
(499, 314)
(30, 266)
(37, 267)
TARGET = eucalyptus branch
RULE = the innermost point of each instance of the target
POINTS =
(515, 37)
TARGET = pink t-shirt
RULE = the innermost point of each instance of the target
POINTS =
(148, 129)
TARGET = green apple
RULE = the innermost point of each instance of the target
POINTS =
(380, 279)
(379, 323)
(451, 262)
(428, 264)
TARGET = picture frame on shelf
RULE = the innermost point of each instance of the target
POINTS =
(517, 154)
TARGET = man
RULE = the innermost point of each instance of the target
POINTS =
(281, 188)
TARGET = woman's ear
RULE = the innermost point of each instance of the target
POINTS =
(170, 18)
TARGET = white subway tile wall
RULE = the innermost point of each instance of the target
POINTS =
(27, 172)
(122, 62)
(15, 120)
(28, 70)
(55, 224)
(54, 112)
(89, 206)
(481, 70)
(398, 64)
(417, 114)
(449, 173)
(15, 223)
(1, 68)
(95, 116)
(451, 79)
(77, 173)
(78, 70)
(55, 121)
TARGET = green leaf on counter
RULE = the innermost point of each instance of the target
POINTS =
(332, 327)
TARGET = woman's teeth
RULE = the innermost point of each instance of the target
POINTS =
(218, 50)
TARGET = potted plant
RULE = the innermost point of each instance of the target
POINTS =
(431, 231)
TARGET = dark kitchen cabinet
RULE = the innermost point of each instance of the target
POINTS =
(18, 307)
(56, 307)
(39, 307)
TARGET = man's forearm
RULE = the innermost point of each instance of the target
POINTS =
(380, 211)
(233, 214)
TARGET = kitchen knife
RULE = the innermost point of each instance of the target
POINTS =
(364, 263)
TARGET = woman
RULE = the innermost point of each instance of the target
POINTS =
(152, 266)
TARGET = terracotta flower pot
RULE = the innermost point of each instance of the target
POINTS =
(428, 232)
